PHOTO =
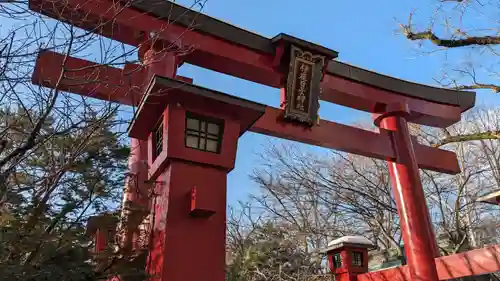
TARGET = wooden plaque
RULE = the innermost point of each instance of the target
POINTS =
(303, 86)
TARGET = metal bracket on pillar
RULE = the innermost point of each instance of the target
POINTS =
(199, 207)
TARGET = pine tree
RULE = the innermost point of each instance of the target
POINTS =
(49, 193)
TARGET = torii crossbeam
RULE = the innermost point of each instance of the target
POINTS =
(304, 72)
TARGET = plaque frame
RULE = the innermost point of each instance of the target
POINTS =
(308, 114)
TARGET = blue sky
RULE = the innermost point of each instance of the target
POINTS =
(363, 32)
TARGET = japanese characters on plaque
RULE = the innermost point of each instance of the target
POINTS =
(303, 86)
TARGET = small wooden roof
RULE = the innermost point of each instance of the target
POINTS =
(352, 241)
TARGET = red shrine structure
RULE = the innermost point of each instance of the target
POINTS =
(184, 137)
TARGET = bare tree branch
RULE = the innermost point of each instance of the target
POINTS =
(450, 43)
(495, 88)
(468, 137)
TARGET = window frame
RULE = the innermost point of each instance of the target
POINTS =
(157, 143)
(205, 135)
(361, 259)
(337, 263)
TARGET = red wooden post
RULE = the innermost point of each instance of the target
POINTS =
(101, 242)
(408, 191)
(137, 163)
(136, 193)
(159, 61)
(348, 257)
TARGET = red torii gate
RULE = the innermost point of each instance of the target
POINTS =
(303, 71)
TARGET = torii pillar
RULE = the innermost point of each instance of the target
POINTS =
(157, 59)
(416, 227)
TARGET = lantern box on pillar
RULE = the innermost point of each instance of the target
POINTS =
(348, 257)
(184, 122)
(192, 135)
(192, 123)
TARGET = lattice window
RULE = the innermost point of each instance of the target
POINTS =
(203, 133)
(357, 259)
(158, 138)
